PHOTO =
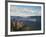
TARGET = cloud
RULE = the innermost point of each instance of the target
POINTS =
(24, 11)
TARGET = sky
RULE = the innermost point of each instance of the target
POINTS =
(23, 10)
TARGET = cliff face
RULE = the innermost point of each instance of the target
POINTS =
(26, 23)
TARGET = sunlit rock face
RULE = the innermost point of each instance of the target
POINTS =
(19, 25)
